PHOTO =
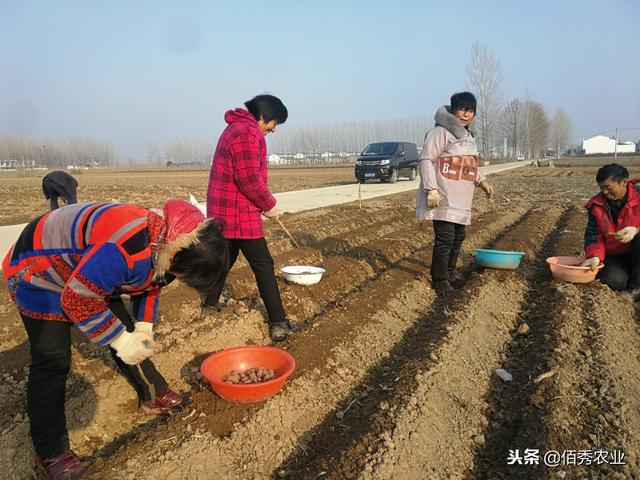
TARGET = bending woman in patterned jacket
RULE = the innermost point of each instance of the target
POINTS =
(449, 174)
(238, 194)
(69, 267)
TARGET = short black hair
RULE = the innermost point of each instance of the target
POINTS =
(268, 107)
(205, 263)
(614, 171)
(464, 100)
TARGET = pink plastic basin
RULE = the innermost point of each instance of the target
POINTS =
(218, 364)
(567, 269)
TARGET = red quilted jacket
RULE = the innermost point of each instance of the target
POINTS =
(601, 242)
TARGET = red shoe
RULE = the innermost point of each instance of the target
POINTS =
(63, 466)
(167, 403)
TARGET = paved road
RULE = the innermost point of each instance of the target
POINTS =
(304, 199)
(323, 197)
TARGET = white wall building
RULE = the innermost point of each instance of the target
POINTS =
(626, 147)
(603, 144)
(274, 159)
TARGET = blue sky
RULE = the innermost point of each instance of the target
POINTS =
(143, 72)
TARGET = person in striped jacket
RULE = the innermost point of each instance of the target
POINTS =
(70, 267)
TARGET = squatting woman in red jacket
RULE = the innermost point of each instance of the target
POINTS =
(238, 195)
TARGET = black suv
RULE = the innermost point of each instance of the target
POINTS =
(387, 161)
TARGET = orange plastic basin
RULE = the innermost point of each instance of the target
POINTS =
(218, 364)
(567, 269)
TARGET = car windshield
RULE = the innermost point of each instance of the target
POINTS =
(387, 148)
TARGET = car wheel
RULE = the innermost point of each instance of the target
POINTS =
(361, 180)
(394, 176)
(413, 174)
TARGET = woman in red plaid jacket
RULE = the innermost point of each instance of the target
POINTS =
(238, 195)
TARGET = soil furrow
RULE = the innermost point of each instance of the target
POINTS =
(387, 384)
(517, 407)
(570, 408)
(586, 401)
(437, 408)
(321, 340)
(197, 336)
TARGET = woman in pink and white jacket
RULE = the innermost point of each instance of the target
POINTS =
(449, 173)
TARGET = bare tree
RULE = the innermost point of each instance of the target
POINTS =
(154, 156)
(23, 152)
(348, 136)
(561, 131)
(512, 126)
(486, 79)
(182, 152)
(535, 128)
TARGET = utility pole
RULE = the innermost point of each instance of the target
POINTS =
(615, 151)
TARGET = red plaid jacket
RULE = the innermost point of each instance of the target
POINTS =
(238, 192)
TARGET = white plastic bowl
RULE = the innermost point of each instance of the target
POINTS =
(303, 274)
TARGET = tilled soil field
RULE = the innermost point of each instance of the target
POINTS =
(391, 382)
(23, 200)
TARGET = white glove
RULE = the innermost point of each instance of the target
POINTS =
(592, 263)
(145, 329)
(272, 214)
(132, 348)
(626, 234)
(433, 199)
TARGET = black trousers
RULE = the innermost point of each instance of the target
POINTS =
(622, 272)
(52, 191)
(257, 254)
(50, 343)
(446, 249)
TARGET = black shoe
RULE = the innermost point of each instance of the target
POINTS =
(211, 309)
(281, 330)
(456, 280)
(633, 294)
(443, 288)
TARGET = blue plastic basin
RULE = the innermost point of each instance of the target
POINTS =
(498, 258)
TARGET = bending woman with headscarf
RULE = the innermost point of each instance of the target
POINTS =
(69, 268)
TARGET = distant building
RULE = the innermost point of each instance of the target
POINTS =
(604, 144)
(195, 163)
(626, 147)
(275, 159)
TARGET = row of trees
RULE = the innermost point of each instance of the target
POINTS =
(348, 136)
(20, 151)
(520, 126)
(338, 137)
(180, 151)
(529, 131)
